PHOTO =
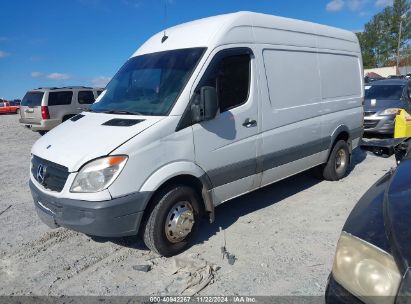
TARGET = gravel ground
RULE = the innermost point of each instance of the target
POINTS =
(283, 237)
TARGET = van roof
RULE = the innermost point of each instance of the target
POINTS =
(240, 28)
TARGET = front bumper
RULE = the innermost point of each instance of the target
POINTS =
(379, 124)
(114, 218)
(336, 294)
(42, 125)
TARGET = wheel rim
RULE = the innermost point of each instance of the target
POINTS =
(179, 222)
(340, 161)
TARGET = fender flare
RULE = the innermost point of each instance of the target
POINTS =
(178, 168)
(338, 131)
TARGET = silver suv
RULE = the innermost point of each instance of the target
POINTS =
(43, 109)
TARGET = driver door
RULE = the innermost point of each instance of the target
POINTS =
(225, 147)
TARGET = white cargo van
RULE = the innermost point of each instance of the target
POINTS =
(202, 113)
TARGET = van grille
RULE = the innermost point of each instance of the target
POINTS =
(50, 175)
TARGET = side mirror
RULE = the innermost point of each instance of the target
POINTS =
(205, 105)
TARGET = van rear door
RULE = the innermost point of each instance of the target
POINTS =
(30, 107)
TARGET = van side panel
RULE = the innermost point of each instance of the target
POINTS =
(340, 76)
(341, 90)
(291, 111)
(277, 37)
(333, 43)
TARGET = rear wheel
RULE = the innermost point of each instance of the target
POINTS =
(42, 132)
(337, 165)
(338, 162)
(174, 220)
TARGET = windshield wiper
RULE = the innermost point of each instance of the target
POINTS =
(123, 112)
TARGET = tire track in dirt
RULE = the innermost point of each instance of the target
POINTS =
(55, 257)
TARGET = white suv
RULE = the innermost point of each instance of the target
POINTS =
(43, 109)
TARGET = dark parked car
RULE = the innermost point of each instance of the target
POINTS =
(383, 101)
(15, 102)
(373, 257)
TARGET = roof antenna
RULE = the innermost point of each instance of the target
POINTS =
(165, 37)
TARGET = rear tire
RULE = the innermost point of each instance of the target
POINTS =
(18, 111)
(173, 221)
(42, 132)
(338, 162)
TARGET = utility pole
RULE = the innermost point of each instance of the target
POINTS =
(399, 44)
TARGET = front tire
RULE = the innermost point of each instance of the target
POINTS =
(338, 162)
(174, 220)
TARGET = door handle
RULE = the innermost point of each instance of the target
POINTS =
(248, 123)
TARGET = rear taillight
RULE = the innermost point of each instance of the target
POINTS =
(45, 112)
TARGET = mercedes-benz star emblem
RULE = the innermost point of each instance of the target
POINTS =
(41, 173)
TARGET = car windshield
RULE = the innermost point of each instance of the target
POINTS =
(384, 92)
(149, 84)
(32, 99)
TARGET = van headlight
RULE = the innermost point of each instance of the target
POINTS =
(366, 271)
(390, 111)
(98, 174)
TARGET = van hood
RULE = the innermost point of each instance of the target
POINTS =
(376, 105)
(77, 141)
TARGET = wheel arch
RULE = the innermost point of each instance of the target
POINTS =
(342, 132)
(181, 173)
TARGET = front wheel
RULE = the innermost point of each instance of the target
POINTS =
(174, 220)
(338, 162)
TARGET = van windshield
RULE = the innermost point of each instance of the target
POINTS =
(149, 84)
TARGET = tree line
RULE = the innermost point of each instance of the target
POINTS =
(379, 40)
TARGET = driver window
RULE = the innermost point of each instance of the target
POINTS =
(229, 73)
